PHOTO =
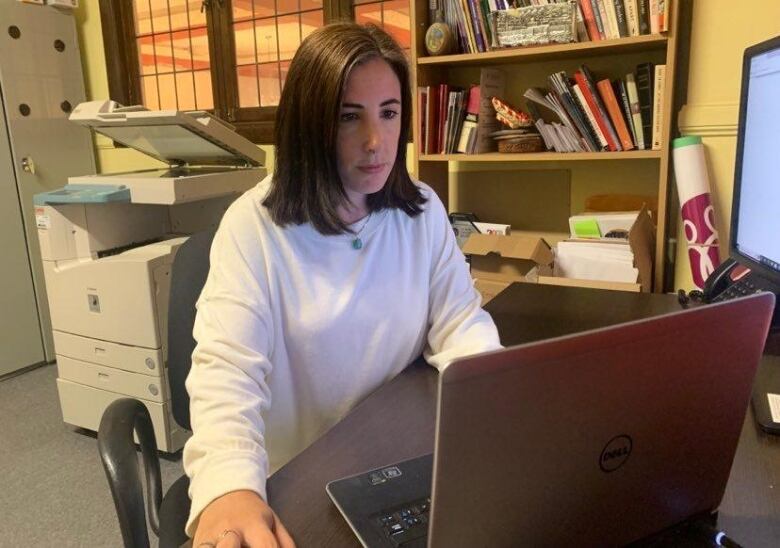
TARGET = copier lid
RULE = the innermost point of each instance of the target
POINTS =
(172, 136)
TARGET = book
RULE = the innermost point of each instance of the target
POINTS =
(659, 82)
(597, 108)
(602, 6)
(463, 14)
(615, 113)
(443, 103)
(644, 88)
(654, 17)
(582, 31)
(559, 84)
(431, 113)
(663, 15)
(422, 103)
(632, 17)
(597, 16)
(590, 20)
(619, 87)
(475, 26)
(590, 116)
(644, 16)
(620, 18)
(609, 10)
(636, 117)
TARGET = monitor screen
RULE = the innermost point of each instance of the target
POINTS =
(756, 214)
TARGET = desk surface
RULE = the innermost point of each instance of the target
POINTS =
(397, 422)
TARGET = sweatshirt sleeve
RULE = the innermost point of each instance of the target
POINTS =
(227, 381)
(458, 326)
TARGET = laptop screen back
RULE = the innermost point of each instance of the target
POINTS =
(604, 437)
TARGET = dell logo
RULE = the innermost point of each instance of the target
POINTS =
(615, 453)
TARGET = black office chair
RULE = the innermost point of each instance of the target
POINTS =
(167, 515)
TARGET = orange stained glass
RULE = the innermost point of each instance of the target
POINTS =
(266, 40)
(204, 97)
(253, 9)
(289, 35)
(166, 84)
(393, 16)
(166, 60)
(248, 95)
(310, 21)
(160, 15)
(143, 17)
(185, 91)
(179, 14)
(244, 35)
(286, 6)
(163, 53)
(149, 92)
(279, 26)
(270, 90)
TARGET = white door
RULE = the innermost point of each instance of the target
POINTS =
(21, 343)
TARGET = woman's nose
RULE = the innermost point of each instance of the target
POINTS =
(372, 137)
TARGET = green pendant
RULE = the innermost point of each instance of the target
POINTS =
(357, 243)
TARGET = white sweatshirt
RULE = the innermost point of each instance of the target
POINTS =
(294, 328)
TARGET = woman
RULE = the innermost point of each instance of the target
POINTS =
(327, 279)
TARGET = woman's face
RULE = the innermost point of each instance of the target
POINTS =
(368, 130)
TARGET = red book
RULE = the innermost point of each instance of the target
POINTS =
(422, 102)
(603, 124)
(590, 23)
(613, 107)
(444, 92)
(432, 112)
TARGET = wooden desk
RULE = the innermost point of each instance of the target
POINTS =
(397, 422)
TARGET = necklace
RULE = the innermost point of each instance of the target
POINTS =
(357, 243)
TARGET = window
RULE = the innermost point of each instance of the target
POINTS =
(229, 56)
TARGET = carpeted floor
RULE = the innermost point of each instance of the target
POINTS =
(53, 491)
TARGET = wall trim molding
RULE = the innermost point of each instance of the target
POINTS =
(709, 119)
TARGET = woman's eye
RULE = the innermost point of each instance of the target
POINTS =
(349, 116)
(389, 114)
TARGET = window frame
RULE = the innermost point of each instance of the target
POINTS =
(123, 70)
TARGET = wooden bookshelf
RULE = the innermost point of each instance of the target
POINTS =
(552, 52)
(434, 169)
(543, 156)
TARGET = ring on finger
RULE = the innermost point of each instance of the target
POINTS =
(227, 532)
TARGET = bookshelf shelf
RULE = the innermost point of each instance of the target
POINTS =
(585, 174)
(543, 156)
(549, 53)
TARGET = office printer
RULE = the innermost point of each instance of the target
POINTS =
(108, 242)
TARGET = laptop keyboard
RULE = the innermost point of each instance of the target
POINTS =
(741, 288)
(404, 524)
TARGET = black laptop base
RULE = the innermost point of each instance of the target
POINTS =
(388, 507)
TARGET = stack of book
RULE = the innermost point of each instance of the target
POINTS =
(448, 119)
(459, 120)
(473, 23)
(601, 115)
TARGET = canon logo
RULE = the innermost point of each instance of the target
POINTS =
(615, 453)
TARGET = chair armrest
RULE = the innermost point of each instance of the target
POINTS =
(120, 461)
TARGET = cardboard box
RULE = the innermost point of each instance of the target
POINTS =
(497, 261)
(641, 240)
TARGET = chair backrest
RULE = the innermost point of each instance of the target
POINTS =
(188, 275)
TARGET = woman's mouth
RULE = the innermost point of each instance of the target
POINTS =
(371, 168)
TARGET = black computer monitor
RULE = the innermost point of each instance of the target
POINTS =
(755, 214)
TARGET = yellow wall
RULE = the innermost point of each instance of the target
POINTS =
(720, 33)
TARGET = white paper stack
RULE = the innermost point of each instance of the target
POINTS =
(610, 261)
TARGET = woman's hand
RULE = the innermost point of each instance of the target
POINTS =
(240, 518)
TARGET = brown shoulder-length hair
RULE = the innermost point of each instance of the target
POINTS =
(306, 186)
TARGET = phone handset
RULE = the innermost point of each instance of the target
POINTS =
(720, 279)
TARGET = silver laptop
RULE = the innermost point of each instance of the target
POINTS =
(595, 439)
